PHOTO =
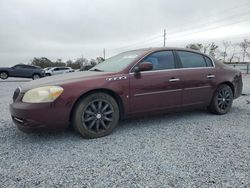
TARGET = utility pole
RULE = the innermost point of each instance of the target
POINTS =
(104, 53)
(164, 42)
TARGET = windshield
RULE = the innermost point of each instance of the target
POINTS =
(117, 63)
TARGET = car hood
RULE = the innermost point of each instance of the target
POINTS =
(63, 79)
(4, 68)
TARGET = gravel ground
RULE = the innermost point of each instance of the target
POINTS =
(186, 149)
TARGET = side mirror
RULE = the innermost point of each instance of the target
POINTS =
(144, 66)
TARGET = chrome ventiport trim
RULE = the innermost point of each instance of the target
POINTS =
(116, 78)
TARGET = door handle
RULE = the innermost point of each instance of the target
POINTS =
(210, 76)
(174, 79)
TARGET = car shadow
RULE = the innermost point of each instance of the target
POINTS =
(123, 126)
(128, 126)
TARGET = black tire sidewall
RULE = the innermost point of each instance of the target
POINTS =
(81, 106)
(5, 73)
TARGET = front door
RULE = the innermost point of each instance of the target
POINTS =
(158, 89)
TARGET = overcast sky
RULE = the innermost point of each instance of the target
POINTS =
(69, 29)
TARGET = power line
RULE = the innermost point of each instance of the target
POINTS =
(221, 12)
(173, 36)
(208, 29)
(142, 41)
(218, 21)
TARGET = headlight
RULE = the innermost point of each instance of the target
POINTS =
(42, 94)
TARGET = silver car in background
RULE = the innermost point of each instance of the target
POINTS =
(58, 70)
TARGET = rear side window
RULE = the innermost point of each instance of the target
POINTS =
(161, 60)
(191, 60)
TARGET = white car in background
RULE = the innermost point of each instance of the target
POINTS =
(58, 70)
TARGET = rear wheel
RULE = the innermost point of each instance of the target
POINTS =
(222, 100)
(96, 115)
(35, 76)
(4, 75)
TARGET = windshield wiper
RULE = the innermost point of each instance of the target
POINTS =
(97, 70)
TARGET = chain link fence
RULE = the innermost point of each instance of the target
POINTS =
(243, 67)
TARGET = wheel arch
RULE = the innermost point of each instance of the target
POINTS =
(230, 84)
(34, 73)
(113, 94)
(7, 72)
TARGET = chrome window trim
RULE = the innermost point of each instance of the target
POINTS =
(166, 70)
(130, 71)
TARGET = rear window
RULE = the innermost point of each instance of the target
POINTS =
(191, 60)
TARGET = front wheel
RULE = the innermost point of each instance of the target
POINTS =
(222, 100)
(96, 115)
(4, 75)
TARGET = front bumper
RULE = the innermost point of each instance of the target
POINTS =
(37, 117)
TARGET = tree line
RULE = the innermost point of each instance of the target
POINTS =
(228, 53)
(79, 63)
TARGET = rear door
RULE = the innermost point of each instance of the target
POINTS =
(157, 89)
(56, 71)
(198, 77)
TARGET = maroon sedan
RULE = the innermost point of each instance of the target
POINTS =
(132, 83)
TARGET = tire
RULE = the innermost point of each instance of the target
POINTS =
(222, 100)
(96, 115)
(48, 74)
(36, 76)
(4, 75)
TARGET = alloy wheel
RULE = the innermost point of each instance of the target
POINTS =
(224, 99)
(3, 75)
(98, 116)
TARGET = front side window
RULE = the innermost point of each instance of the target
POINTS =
(161, 60)
(191, 60)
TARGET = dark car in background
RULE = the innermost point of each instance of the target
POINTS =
(139, 82)
(22, 71)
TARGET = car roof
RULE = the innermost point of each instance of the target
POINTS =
(27, 65)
